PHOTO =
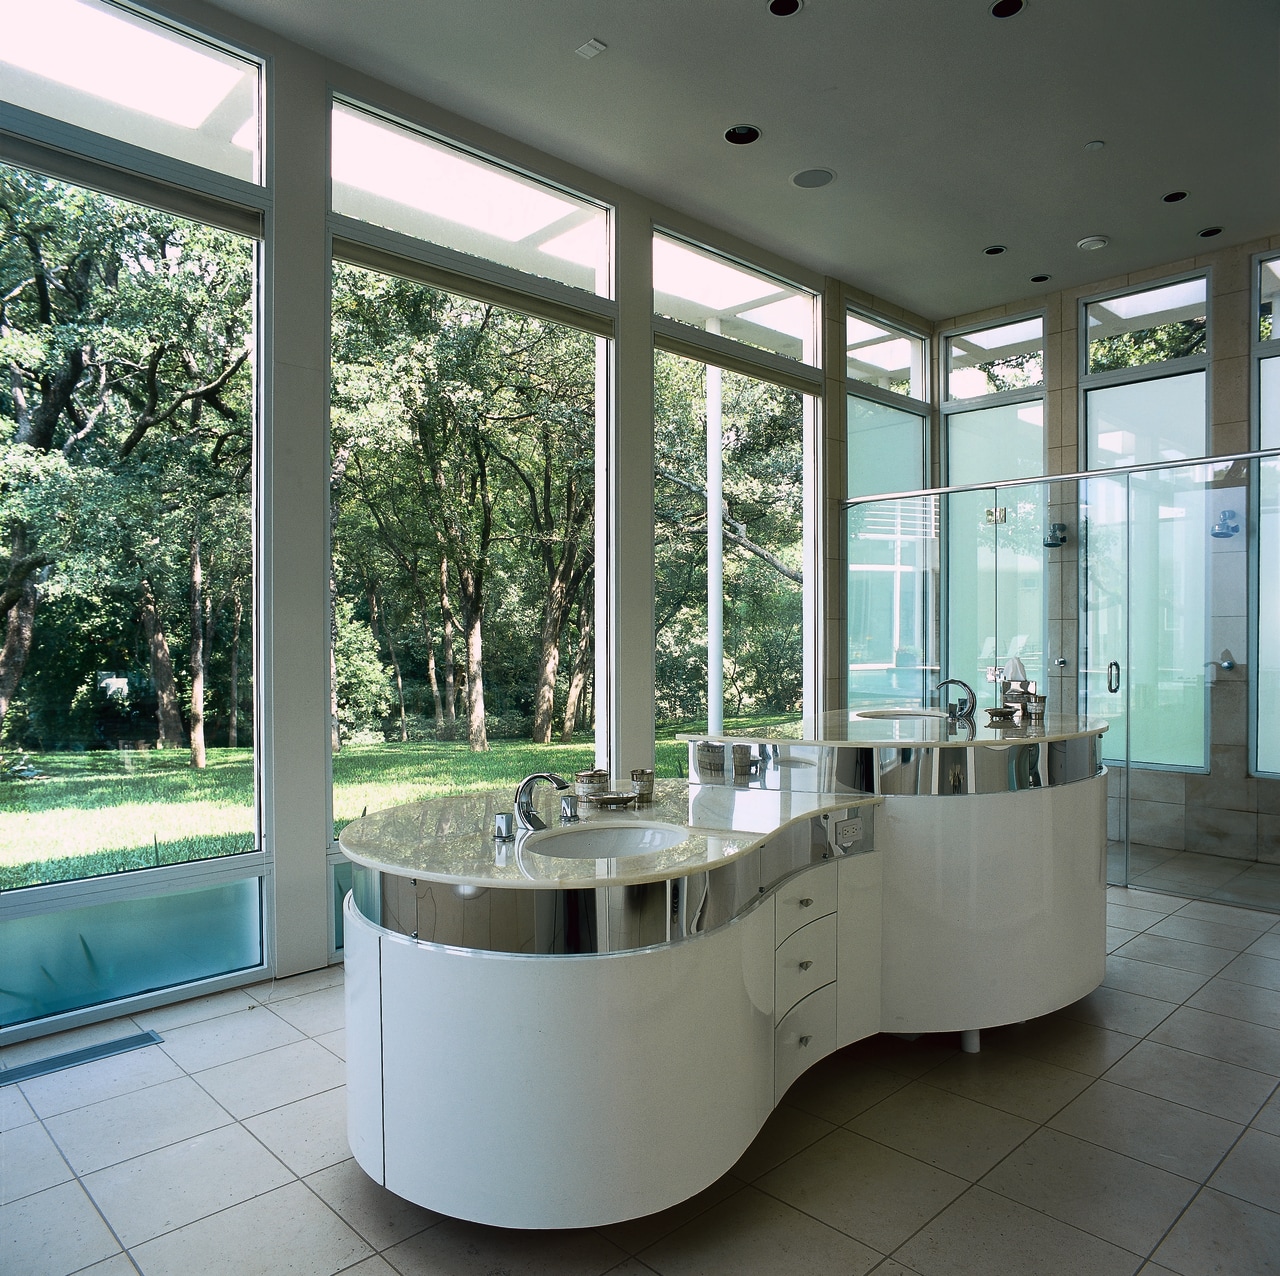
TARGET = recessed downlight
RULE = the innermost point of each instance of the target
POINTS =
(1091, 243)
(742, 134)
(995, 250)
(1210, 231)
(1174, 197)
(1007, 8)
(812, 178)
(785, 8)
(1040, 279)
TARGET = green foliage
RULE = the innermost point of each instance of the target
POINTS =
(363, 691)
(1148, 345)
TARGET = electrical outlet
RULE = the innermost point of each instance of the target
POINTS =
(847, 832)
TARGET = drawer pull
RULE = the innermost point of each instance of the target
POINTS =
(806, 903)
(804, 1041)
(804, 965)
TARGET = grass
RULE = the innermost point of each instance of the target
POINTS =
(112, 811)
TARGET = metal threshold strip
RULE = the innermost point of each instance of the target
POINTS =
(69, 1059)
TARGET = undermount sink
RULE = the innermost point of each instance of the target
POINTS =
(901, 713)
(596, 840)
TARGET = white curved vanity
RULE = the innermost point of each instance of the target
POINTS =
(537, 1039)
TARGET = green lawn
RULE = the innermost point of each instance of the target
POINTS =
(109, 811)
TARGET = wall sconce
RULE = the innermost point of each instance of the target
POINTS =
(1057, 536)
(1224, 528)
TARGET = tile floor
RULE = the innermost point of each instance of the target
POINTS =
(1217, 877)
(1137, 1130)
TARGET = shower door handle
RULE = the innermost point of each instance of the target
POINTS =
(1113, 676)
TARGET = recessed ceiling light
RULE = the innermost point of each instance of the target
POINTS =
(785, 8)
(1006, 8)
(1096, 145)
(811, 178)
(1173, 197)
(1210, 231)
(995, 250)
(741, 134)
(1040, 279)
(1091, 243)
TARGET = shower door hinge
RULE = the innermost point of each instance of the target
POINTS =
(996, 515)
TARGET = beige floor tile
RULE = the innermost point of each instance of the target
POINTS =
(308, 1135)
(1222, 1236)
(234, 1036)
(164, 1018)
(1067, 1043)
(89, 1083)
(132, 1124)
(288, 1230)
(14, 1108)
(1148, 901)
(1117, 937)
(839, 1087)
(1181, 954)
(92, 1034)
(636, 1234)
(1120, 1011)
(891, 1267)
(1135, 919)
(984, 1234)
(375, 1266)
(186, 1181)
(246, 1087)
(751, 1234)
(334, 1042)
(1225, 915)
(1252, 1170)
(1269, 1118)
(1161, 982)
(381, 1217)
(864, 1189)
(53, 1233)
(455, 1248)
(315, 1012)
(907, 1056)
(29, 1163)
(1194, 1080)
(296, 985)
(116, 1265)
(1247, 1045)
(943, 1129)
(1166, 1135)
(786, 1132)
(1014, 1083)
(1222, 996)
(1121, 1200)
(1248, 968)
(1215, 934)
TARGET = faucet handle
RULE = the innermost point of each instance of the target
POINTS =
(569, 808)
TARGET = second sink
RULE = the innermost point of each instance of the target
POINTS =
(598, 840)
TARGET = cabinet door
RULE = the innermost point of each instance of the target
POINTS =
(858, 947)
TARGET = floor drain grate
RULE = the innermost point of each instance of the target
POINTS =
(56, 1062)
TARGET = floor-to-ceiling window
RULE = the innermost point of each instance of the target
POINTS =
(130, 860)
(734, 479)
(1266, 683)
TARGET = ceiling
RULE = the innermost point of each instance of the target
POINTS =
(949, 130)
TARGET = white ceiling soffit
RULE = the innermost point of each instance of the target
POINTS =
(949, 130)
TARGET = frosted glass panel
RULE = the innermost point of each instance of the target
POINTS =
(1269, 616)
(55, 962)
(992, 444)
(1146, 421)
(1269, 402)
(886, 449)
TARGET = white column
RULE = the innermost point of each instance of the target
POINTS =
(715, 550)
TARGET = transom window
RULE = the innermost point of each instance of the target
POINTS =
(996, 360)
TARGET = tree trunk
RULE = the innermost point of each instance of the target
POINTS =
(446, 642)
(169, 733)
(582, 666)
(477, 737)
(17, 644)
(437, 704)
(544, 699)
(233, 716)
(395, 666)
(197, 653)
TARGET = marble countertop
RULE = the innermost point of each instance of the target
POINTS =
(852, 726)
(450, 839)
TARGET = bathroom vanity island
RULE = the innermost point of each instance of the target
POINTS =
(592, 1022)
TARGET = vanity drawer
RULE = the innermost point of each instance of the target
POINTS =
(806, 1033)
(803, 898)
(804, 962)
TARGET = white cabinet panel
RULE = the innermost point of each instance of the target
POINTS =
(858, 961)
(805, 961)
(807, 1033)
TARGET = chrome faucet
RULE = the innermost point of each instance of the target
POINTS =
(526, 817)
(964, 709)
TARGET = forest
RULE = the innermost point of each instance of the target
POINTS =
(462, 497)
